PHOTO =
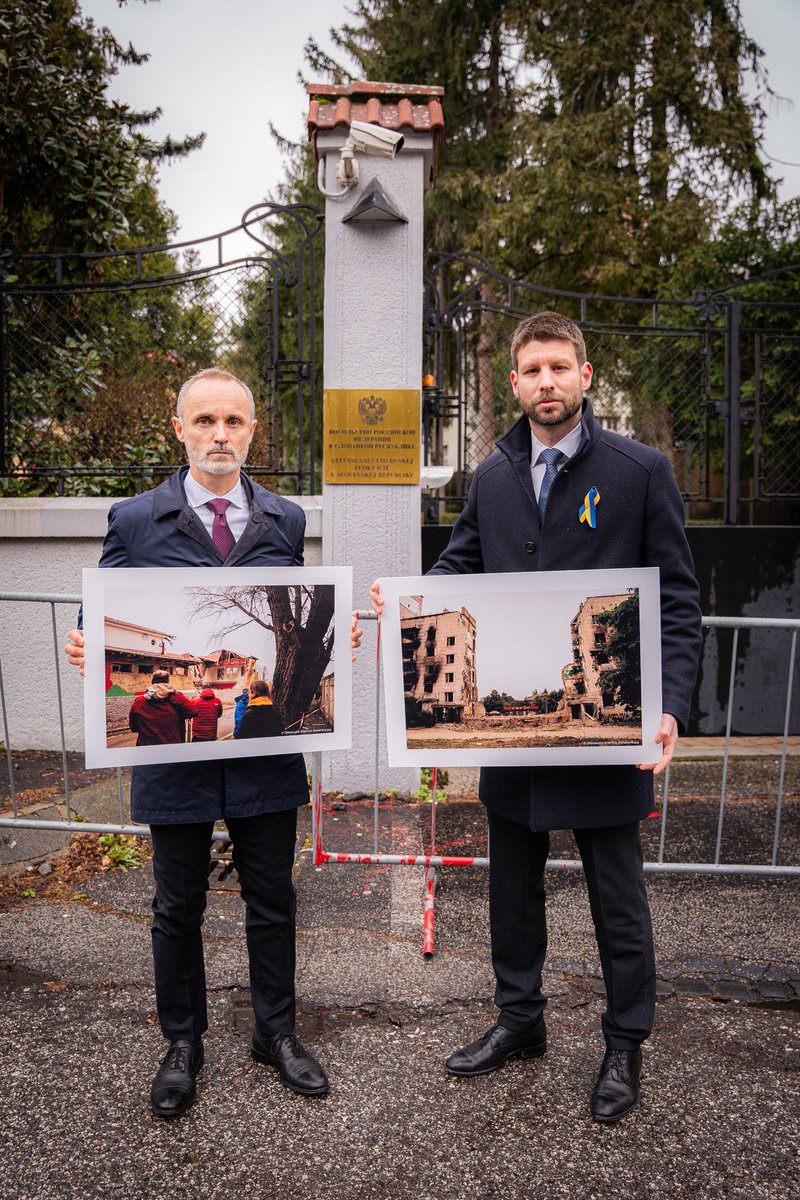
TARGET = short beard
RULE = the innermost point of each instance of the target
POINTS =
(570, 406)
(217, 466)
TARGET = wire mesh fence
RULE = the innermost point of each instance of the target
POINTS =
(712, 385)
(94, 349)
(777, 421)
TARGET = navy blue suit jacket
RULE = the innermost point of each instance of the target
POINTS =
(159, 529)
(639, 524)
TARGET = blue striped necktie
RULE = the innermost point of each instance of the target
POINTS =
(551, 458)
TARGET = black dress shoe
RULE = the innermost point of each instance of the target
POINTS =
(492, 1050)
(298, 1069)
(173, 1088)
(617, 1089)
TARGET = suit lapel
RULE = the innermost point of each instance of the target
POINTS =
(254, 530)
(189, 523)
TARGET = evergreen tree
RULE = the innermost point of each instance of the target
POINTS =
(634, 133)
(591, 146)
(75, 166)
(587, 144)
(91, 374)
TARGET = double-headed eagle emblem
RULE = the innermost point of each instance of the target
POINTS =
(371, 409)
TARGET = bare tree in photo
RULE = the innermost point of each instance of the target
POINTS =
(301, 619)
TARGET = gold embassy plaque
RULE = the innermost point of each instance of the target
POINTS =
(372, 435)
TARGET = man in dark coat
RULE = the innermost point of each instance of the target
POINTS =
(204, 517)
(524, 513)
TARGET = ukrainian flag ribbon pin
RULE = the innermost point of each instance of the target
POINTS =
(588, 510)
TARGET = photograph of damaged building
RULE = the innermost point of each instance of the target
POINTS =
(462, 669)
(439, 671)
(591, 691)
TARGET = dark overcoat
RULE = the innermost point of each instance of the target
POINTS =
(159, 529)
(639, 524)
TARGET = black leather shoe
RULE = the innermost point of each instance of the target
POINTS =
(173, 1088)
(492, 1050)
(617, 1089)
(298, 1069)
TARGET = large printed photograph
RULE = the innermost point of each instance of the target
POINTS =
(550, 668)
(189, 664)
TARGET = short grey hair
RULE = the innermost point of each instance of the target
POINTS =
(213, 373)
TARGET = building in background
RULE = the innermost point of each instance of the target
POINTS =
(133, 652)
(439, 672)
(225, 670)
(585, 697)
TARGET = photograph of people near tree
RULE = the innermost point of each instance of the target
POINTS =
(492, 669)
(200, 666)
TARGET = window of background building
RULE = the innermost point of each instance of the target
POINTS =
(451, 641)
(450, 658)
(448, 696)
(449, 677)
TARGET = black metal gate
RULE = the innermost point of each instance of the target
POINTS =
(94, 347)
(711, 381)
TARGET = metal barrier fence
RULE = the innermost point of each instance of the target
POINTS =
(431, 860)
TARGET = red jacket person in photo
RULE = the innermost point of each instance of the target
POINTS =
(207, 710)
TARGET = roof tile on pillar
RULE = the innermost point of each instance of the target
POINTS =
(404, 107)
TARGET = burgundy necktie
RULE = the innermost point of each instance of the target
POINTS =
(220, 531)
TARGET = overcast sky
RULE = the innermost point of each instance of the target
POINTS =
(522, 640)
(229, 67)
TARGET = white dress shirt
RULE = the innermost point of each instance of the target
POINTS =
(568, 446)
(237, 514)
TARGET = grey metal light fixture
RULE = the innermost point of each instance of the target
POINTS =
(375, 205)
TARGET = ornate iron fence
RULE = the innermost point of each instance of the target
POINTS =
(709, 380)
(94, 347)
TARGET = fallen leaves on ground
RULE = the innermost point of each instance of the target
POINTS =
(71, 868)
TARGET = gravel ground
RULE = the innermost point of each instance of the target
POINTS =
(719, 1110)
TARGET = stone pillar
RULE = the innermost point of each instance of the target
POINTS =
(373, 340)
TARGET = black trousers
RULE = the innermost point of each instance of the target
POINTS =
(612, 862)
(263, 853)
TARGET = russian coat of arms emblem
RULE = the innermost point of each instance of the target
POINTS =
(371, 409)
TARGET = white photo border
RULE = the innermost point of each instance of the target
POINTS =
(614, 581)
(98, 583)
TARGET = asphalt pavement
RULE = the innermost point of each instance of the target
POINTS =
(719, 1111)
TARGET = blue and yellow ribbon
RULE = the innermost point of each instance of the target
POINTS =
(588, 510)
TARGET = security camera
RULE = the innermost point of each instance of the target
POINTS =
(362, 139)
(374, 139)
